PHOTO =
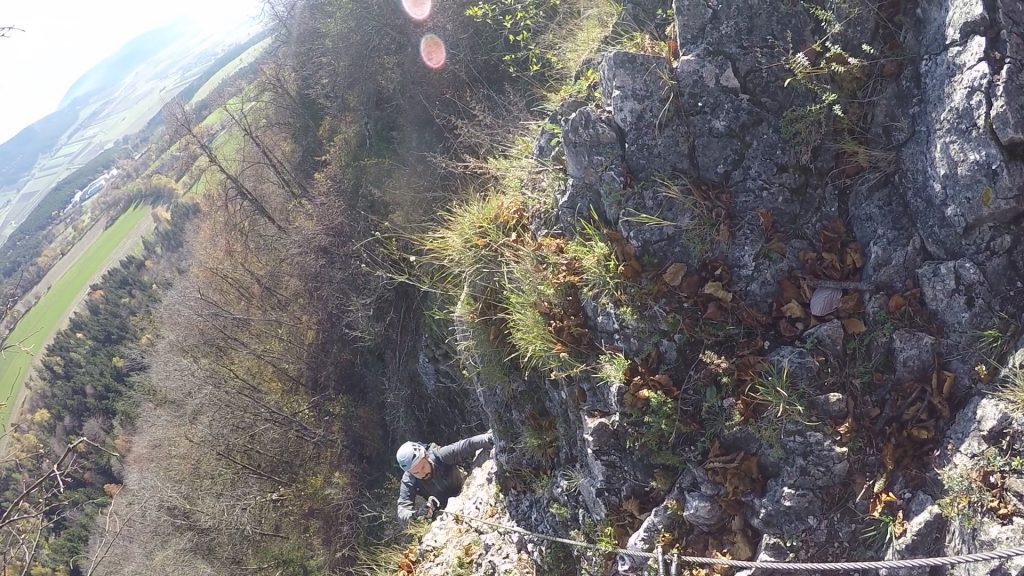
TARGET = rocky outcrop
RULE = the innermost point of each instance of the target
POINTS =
(806, 468)
(452, 544)
(937, 208)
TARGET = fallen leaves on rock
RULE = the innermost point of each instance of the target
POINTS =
(854, 326)
(625, 253)
(643, 379)
(806, 297)
(740, 477)
(673, 276)
(718, 291)
(772, 240)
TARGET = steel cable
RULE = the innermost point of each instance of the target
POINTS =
(774, 566)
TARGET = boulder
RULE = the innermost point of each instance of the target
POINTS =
(827, 337)
(595, 166)
(807, 466)
(914, 355)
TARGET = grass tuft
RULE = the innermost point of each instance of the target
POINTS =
(599, 270)
(611, 368)
(1011, 387)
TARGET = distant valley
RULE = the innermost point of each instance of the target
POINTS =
(116, 99)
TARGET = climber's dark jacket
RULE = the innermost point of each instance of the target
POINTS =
(446, 479)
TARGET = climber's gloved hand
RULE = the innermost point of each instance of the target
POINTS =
(433, 505)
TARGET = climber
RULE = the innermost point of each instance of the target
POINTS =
(433, 472)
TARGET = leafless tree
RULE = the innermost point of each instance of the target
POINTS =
(38, 504)
(184, 120)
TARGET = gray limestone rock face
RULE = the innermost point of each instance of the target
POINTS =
(799, 366)
(602, 443)
(809, 465)
(924, 537)
(959, 297)
(595, 165)
(961, 184)
(828, 337)
(831, 406)
(703, 511)
(640, 91)
(751, 45)
(732, 99)
(987, 536)
(665, 242)
(977, 426)
(892, 249)
(610, 329)
(1008, 96)
(663, 519)
(914, 355)
(771, 549)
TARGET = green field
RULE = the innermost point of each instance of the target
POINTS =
(232, 67)
(43, 319)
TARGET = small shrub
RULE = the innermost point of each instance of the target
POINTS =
(611, 368)
(781, 401)
(540, 439)
(606, 540)
(521, 24)
(703, 230)
(655, 432)
(528, 296)
(965, 497)
(572, 479)
(469, 244)
(883, 531)
(586, 88)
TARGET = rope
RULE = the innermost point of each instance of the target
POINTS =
(775, 566)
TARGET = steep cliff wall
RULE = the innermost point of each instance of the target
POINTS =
(832, 194)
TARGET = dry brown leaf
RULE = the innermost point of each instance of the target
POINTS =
(846, 427)
(850, 305)
(877, 505)
(947, 384)
(921, 433)
(889, 455)
(854, 256)
(787, 329)
(632, 505)
(899, 526)
(724, 235)
(742, 548)
(896, 304)
(854, 326)
(793, 310)
(714, 311)
(674, 275)
(718, 291)
(790, 290)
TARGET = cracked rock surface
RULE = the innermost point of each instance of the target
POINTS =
(940, 210)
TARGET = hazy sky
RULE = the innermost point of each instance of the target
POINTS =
(63, 39)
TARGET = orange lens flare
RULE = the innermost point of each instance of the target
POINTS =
(433, 52)
(417, 9)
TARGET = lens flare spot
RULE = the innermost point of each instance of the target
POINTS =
(418, 9)
(432, 51)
